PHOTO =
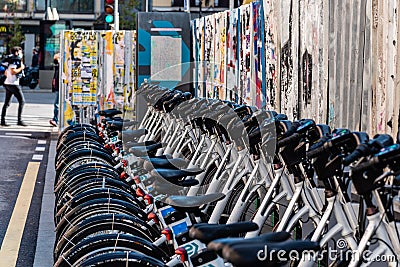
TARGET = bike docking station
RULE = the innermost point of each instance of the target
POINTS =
(212, 172)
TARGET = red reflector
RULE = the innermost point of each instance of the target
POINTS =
(140, 192)
(123, 176)
(136, 179)
(124, 162)
(182, 253)
(152, 216)
(148, 199)
(168, 233)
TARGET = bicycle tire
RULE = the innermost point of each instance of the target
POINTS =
(97, 205)
(85, 153)
(92, 183)
(85, 174)
(100, 223)
(97, 193)
(78, 136)
(119, 259)
(83, 248)
(64, 152)
(66, 167)
(96, 165)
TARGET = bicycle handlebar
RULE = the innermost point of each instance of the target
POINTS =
(288, 140)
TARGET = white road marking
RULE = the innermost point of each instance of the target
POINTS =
(12, 240)
(40, 148)
(42, 142)
(37, 157)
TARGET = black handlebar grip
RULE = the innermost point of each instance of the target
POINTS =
(355, 155)
(315, 152)
(365, 165)
(288, 140)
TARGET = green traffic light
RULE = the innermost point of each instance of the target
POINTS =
(109, 18)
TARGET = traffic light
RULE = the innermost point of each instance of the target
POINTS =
(109, 10)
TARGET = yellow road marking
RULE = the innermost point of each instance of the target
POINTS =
(12, 240)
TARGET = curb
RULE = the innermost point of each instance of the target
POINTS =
(46, 235)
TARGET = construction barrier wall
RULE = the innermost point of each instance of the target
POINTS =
(97, 71)
(330, 60)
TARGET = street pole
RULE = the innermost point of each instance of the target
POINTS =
(116, 16)
(187, 6)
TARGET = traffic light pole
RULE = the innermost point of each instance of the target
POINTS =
(116, 16)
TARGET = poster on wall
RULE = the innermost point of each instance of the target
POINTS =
(257, 47)
(220, 75)
(201, 57)
(98, 71)
(232, 59)
(166, 56)
(108, 68)
(209, 55)
(246, 30)
(119, 68)
(271, 70)
(84, 67)
(130, 79)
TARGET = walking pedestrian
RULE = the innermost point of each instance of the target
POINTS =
(55, 88)
(35, 58)
(11, 84)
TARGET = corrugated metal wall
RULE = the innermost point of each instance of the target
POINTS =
(385, 70)
(334, 61)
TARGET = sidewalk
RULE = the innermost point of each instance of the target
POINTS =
(46, 234)
(38, 110)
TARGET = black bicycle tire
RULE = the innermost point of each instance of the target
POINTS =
(79, 161)
(98, 204)
(106, 222)
(138, 260)
(95, 165)
(84, 247)
(91, 183)
(85, 153)
(97, 193)
(85, 174)
(62, 153)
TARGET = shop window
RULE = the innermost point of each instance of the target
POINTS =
(67, 6)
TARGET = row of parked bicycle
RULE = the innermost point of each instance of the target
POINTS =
(205, 182)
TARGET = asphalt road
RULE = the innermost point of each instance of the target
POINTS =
(18, 150)
(21, 147)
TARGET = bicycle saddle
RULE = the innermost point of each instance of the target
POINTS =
(119, 125)
(109, 112)
(145, 150)
(192, 201)
(174, 175)
(130, 135)
(129, 144)
(175, 164)
(166, 156)
(206, 232)
(160, 186)
(218, 244)
(248, 254)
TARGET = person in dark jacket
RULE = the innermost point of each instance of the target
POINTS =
(11, 85)
(35, 58)
(55, 88)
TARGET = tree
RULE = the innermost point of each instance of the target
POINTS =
(16, 36)
(127, 14)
